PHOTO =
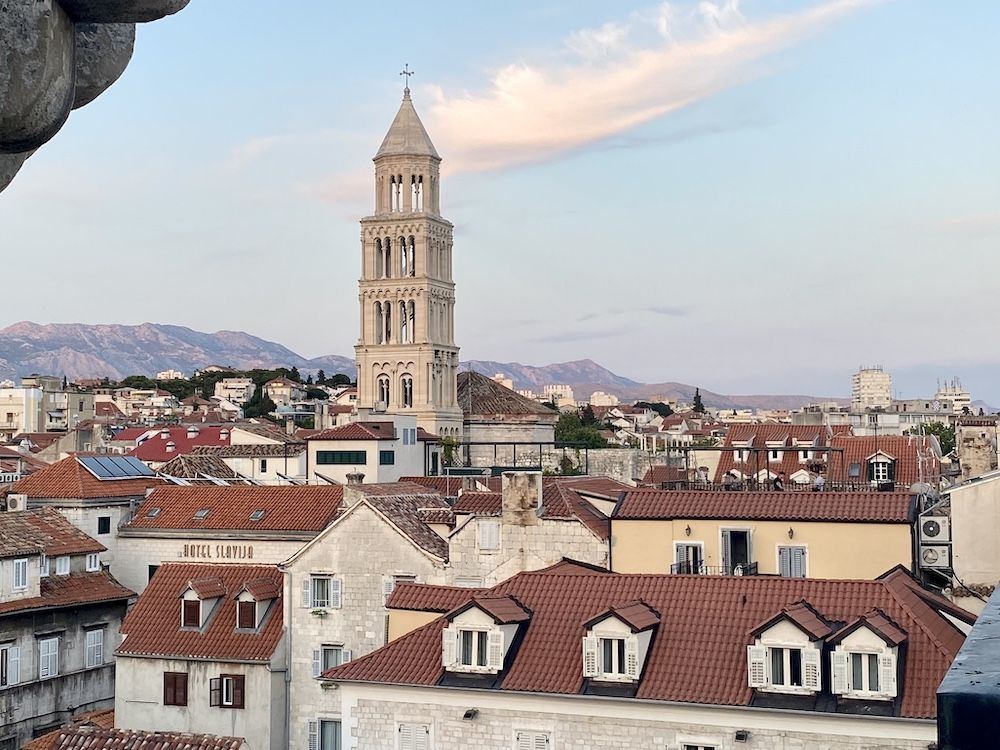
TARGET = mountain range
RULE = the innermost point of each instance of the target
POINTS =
(78, 350)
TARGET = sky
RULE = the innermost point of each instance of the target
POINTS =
(753, 197)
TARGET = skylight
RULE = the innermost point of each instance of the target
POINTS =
(152, 513)
(201, 514)
(257, 515)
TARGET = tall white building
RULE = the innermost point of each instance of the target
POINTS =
(951, 390)
(871, 388)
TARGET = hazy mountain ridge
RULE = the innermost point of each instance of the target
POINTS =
(79, 350)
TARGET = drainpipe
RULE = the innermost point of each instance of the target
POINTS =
(288, 663)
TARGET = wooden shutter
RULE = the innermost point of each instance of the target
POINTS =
(590, 646)
(238, 690)
(306, 600)
(13, 665)
(632, 657)
(871, 471)
(494, 649)
(757, 666)
(798, 562)
(524, 741)
(891, 468)
(215, 691)
(336, 593)
(727, 552)
(388, 586)
(246, 615)
(887, 674)
(838, 662)
(449, 647)
(312, 730)
(784, 561)
(169, 689)
(345, 655)
(317, 662)
(811, 669)
(181, 688)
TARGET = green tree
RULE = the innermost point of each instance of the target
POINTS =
(138, 382)
(259, 405)
(698, 407)
(570, 429)
(294, 375)
(339, 379)
(309, 379)
(320, 378)
(662, 409)
(587, 416)
(449, 447)
(944, 433)
(317, 393)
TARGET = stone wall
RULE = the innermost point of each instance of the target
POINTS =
(624, 464)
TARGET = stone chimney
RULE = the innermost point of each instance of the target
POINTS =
(352, 492)
(355, 477)
(521, 498)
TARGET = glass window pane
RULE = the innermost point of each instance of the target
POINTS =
(777, 666)
(329, 735)
(873, 672)
(467, 647)
(607, 648)
(481, 648)
(857, 672)
(795, 667)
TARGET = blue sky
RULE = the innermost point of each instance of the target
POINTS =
(754, 197)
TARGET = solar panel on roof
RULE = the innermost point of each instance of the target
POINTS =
(90, 464)
(139, 468)
(112, 466)
(115, 467)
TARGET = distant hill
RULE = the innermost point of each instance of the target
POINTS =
(116, 351)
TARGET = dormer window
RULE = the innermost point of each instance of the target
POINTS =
(20, 574)
(191, 613)
(246, 615)
(93, 562)
(785, 656)
(616, 642)
(480, 633)
(864, 661)
(62, 565)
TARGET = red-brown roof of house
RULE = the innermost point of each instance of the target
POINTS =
(505, 610)
(69, 479)
(107, 409)
(637, 615)
(262, 589)
(286, 507)
(448, 485)
(11, 460)
(804, 616)
(208, 588)
(193, 466)
(426, 598)
(39, 440)
(257, 450)
(172, 441)
(912, 453)
(102, 719)
(44, 530)
(153, 626)
(698, 654)
(759, 435)
(408, 513)
(879, 623)
(842, 507)
(74, 589)
(357, 431)
(479, 503)
(108, 738)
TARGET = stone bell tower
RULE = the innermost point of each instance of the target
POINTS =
(406, 354)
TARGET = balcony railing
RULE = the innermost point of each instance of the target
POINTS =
(700, 569)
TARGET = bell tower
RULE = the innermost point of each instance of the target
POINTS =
(406, 354)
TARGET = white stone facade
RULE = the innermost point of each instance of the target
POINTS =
(871, 388)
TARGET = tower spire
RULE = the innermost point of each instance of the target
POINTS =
(406, 72)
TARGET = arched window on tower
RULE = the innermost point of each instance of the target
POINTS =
(379, 267)
(392, 193)
(387, 264)
(387, 315)
(404, 335)
(406, 387)
(411, 326)
(404, 256)
(382, 391)
(399, 192)
(413, 256)
(417, 192)
(379, 326)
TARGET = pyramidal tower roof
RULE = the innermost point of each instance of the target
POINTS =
(406, 136)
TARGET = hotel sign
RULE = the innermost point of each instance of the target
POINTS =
(218, 551)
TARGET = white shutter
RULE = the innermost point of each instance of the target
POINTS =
(336, 593)
(421, 737)
(13, 665)
(541, 742)
(590, 645)
(810, 668)
(312, 727)
(345, 655)
(784, 561)
(632, 657)
(525, 741)
(388, 586)
(887, 674)
(317, 662)
(757, 666)
(838, 660)
(449, 647)
(494, 649)
(406, 737)
(798, 563)
(306, 592)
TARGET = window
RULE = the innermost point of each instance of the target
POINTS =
(854, 471)
(175, 689)
(489, 534)
(386, 458)
(191, 613)
(880, 471)
(774, 455)
(688, 557)
(472, 648)
(44, 567)
(869, 674)
(792, 561)
(104, 524)
(864, 672)
(93, 562)
(321, 592)
(62, 565)
(327, 657)
(389, 585)
(94, 640)
(784, 668)
(10, 665)
(414, 736)
(382, 386)
(246, 615)
(532, 740)
(611, 657)
(20, 574)
(740, 456)
(406, 384)
(48, 657)
(226, 691)
(324, 734)
(341, 457)
(263, 466)
(151, 571)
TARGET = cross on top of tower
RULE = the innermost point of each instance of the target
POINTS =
(406, 72)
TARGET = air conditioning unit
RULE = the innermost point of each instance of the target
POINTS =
(13, 502)
(935, 529)
(935, 556)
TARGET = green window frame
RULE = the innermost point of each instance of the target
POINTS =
(387, 458)
(340, 458)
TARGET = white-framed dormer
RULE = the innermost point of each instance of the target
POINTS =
(775, 451)
(786, 655)
(742, 453)
(198, 602)
(479, 634)
(615, 642)
(254, 603)
(881, 467)
(864, 663)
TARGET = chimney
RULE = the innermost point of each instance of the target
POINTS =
(353, 494)
(521, 497)
(290, 427)
(355, 477)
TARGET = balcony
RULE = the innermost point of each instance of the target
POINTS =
(700, 569)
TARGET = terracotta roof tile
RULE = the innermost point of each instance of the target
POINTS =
(879, 623)
(917, 458)
(698, 654)
(504, 610)
(194, 466)
(637, 615)
(208, 588)
(67, 591)
(44, 530)
(407, 513)
(448, 485)
(266, 450)
(792, 437)
(262, 589)
(167, 442)
(427, 598)
(307, 508)
(101, 738)
(843, 507)
(357, 431)
(69, 479)
(479, 503)
(437, 515)
(152, 627)
(804, 616)
(102, 719)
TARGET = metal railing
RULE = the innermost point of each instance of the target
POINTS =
(700, 569)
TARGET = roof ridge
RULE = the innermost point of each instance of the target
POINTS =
(890, 584)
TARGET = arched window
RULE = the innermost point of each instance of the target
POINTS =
(406, 386)
(379, 328)
(387, 264)
(392, 194)
(399, 192)
(420, 193)
(387, 314)
(404, 324)
(382, 389)
(413, 256)
(379, 267)
(411, 325)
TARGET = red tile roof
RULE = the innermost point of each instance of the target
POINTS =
(182, 440)
(357, 431)
(504, 610)
(698, 652)
(638, 615)
(44, 530)
(69, 479)
(152, 627)
(306, 508)
(70, 591)
(804, 616)
(841, 507)
(39, 440)
(448, 485)
(917, 457)
(103, 719)
(426, 598)
(265, 450)
(107, 410)
(103, 738)
(193, 466)
(208, 588)
(479, 503)
(759, 435)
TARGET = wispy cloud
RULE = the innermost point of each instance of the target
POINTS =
(579, 334)
(979, 224)
(252, 149)
(665, 310)
(610, 79)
